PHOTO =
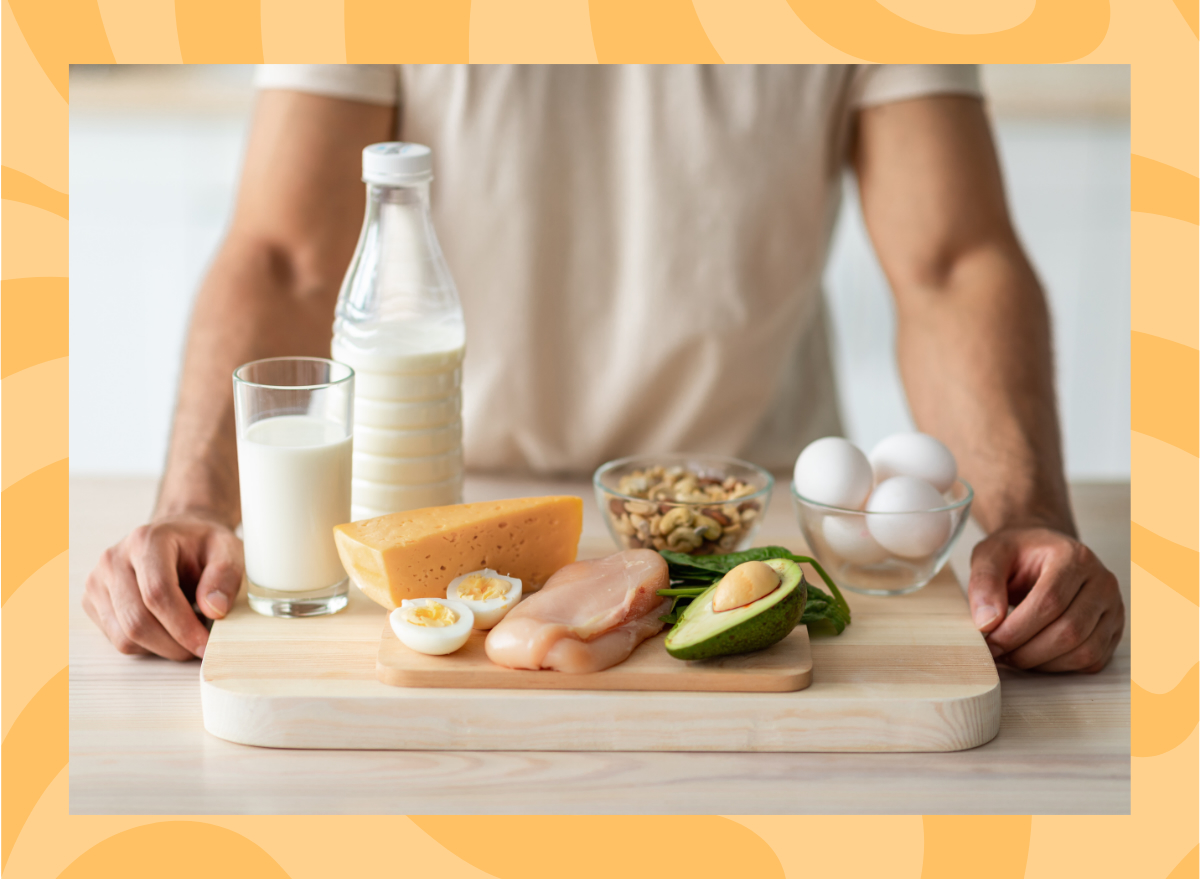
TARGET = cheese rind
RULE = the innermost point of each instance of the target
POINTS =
(415, 554)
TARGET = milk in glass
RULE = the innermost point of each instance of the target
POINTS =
(294, 472)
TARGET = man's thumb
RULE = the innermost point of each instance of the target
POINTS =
(221, 579)
(987, 589)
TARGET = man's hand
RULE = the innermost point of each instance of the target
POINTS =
(1068, 615)
(141, 591)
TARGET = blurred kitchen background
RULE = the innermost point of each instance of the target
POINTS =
(155, 157)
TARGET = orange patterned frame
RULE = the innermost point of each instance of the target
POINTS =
(41, 37)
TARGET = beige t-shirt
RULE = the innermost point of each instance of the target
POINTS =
(638, 249)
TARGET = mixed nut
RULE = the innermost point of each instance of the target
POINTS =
(714, 520)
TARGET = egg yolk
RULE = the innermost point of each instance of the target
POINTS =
(480, 588)
(431, 615)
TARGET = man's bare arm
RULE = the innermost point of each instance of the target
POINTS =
(270, 292)
(272, 287)
(974, 347)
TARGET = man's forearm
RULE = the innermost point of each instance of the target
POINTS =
(973, 336)
(975, 354)
(272, 287)
(253, 304)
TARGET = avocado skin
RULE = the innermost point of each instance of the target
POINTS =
(764, 630)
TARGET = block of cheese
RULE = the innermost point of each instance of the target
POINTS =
(415, 554)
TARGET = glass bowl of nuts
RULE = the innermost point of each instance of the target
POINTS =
(694, 504)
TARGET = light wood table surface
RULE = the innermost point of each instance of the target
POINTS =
(138, 745)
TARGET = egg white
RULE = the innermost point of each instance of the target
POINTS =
(905, 530)
(849, 538)
(914, 454)
(433, 640)
(835, 472)
(491, 611)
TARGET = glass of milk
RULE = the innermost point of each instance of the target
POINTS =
(294, 431)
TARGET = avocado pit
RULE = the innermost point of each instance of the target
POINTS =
(745, 584)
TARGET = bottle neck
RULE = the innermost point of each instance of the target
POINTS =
(398, 277)
(414, 196)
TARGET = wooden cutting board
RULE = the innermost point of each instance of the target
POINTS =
(910, 674)
(784, 668)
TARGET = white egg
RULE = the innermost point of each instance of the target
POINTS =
(849, 538)
(904, 529)
(435, 626)
(832, 471)
(489, 595)
(914, 454)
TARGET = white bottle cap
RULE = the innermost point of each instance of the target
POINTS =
(397, 164)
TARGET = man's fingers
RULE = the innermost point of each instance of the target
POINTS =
(157, 572)
(1092, 655)
(1063, 636)
(1060, 578)
(222, 576)
(1069, 616)
(98, 607)
(136, 593)
(987, 589)
(136, 620)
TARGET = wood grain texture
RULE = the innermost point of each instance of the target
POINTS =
(784, 668)
(138, 744)
(911, 673)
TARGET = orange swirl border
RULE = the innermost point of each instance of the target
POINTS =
(42, 37)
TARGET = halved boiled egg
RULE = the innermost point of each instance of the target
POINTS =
(435, 626)
(490, 595)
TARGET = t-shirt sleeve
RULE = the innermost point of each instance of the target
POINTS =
(884, 83)
(369, 83)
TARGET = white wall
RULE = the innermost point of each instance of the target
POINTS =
(155, 155)
(149, 201)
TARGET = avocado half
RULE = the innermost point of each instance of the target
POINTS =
(702, 633)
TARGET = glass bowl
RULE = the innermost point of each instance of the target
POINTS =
(694, 504)
(844, 542)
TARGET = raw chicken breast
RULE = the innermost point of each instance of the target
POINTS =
(589, 616)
